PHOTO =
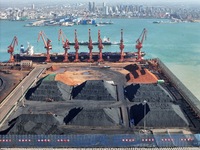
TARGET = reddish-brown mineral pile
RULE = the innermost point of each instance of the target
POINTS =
(67, 78)
(139, 75)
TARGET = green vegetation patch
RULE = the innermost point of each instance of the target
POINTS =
(50, 77)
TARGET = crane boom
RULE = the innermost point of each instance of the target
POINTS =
(42, 34)
(139, 42)
(143, 35)
(90, 47)
(65, 41)
(100, 46)
(121, 47)
(11, 48)
(62, 36)
(76, 47)
(65, 44)
(47, 44)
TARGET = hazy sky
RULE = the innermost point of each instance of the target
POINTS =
(171, 2)
(100, 1)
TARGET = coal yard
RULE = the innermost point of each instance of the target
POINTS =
(124, 98)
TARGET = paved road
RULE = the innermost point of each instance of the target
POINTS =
(11, 100)
(120, 80)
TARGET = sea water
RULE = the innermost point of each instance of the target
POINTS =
(176, 44)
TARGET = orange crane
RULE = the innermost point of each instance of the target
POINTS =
(100, 46)
(90, 46)
(65, 45)
(76, 47)
(11, 48)
(122, 47)
(139, 43)
(47, 44)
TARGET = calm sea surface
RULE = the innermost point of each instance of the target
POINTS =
(176, 44)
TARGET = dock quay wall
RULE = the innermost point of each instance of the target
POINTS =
(184, 91)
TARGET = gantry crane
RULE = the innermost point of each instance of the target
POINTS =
(100, 46)
(76, 47)
(47, 44)
(90, 46)
(11, 48)
(121, 47)
(65, 45)
(139, 42)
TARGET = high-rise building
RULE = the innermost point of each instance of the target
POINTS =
(104, 4)
(141, 8)
(90, 6)
(33, 6)
(93, 7)
(105, 10)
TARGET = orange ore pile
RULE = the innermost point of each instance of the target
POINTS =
(68, 78)
(139, 75)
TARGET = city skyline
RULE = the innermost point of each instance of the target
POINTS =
(18, 11)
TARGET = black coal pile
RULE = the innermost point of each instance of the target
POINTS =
(93, 117)
(163, 115)
(49, 91)
(1, 85)
(35, 124)
(132, 69)
(153, 104)
(97, 90)
(148, 92)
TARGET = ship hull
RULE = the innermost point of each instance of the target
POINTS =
(94, 43)
(83, 57)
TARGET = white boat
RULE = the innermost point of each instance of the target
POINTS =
(68, 24)
(29, 50)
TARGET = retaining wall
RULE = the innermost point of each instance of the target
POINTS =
(188, 96)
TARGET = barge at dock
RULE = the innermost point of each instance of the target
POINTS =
(90, 56)
(83, 56)
(105, 41)
(28, 54)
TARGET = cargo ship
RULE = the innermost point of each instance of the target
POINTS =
(105, 41)
(29, 54)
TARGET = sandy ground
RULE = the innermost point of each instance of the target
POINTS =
(78, 76)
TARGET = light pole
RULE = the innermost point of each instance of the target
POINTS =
(145, 102)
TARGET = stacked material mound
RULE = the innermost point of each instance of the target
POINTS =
(67, 78)
(35, 124)
(49, 90)
(1, 84)
(148, 92)
(160, 111)
(97, 90)
(93, 117)
(158, 115)
(139, 75)
(54, 68)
